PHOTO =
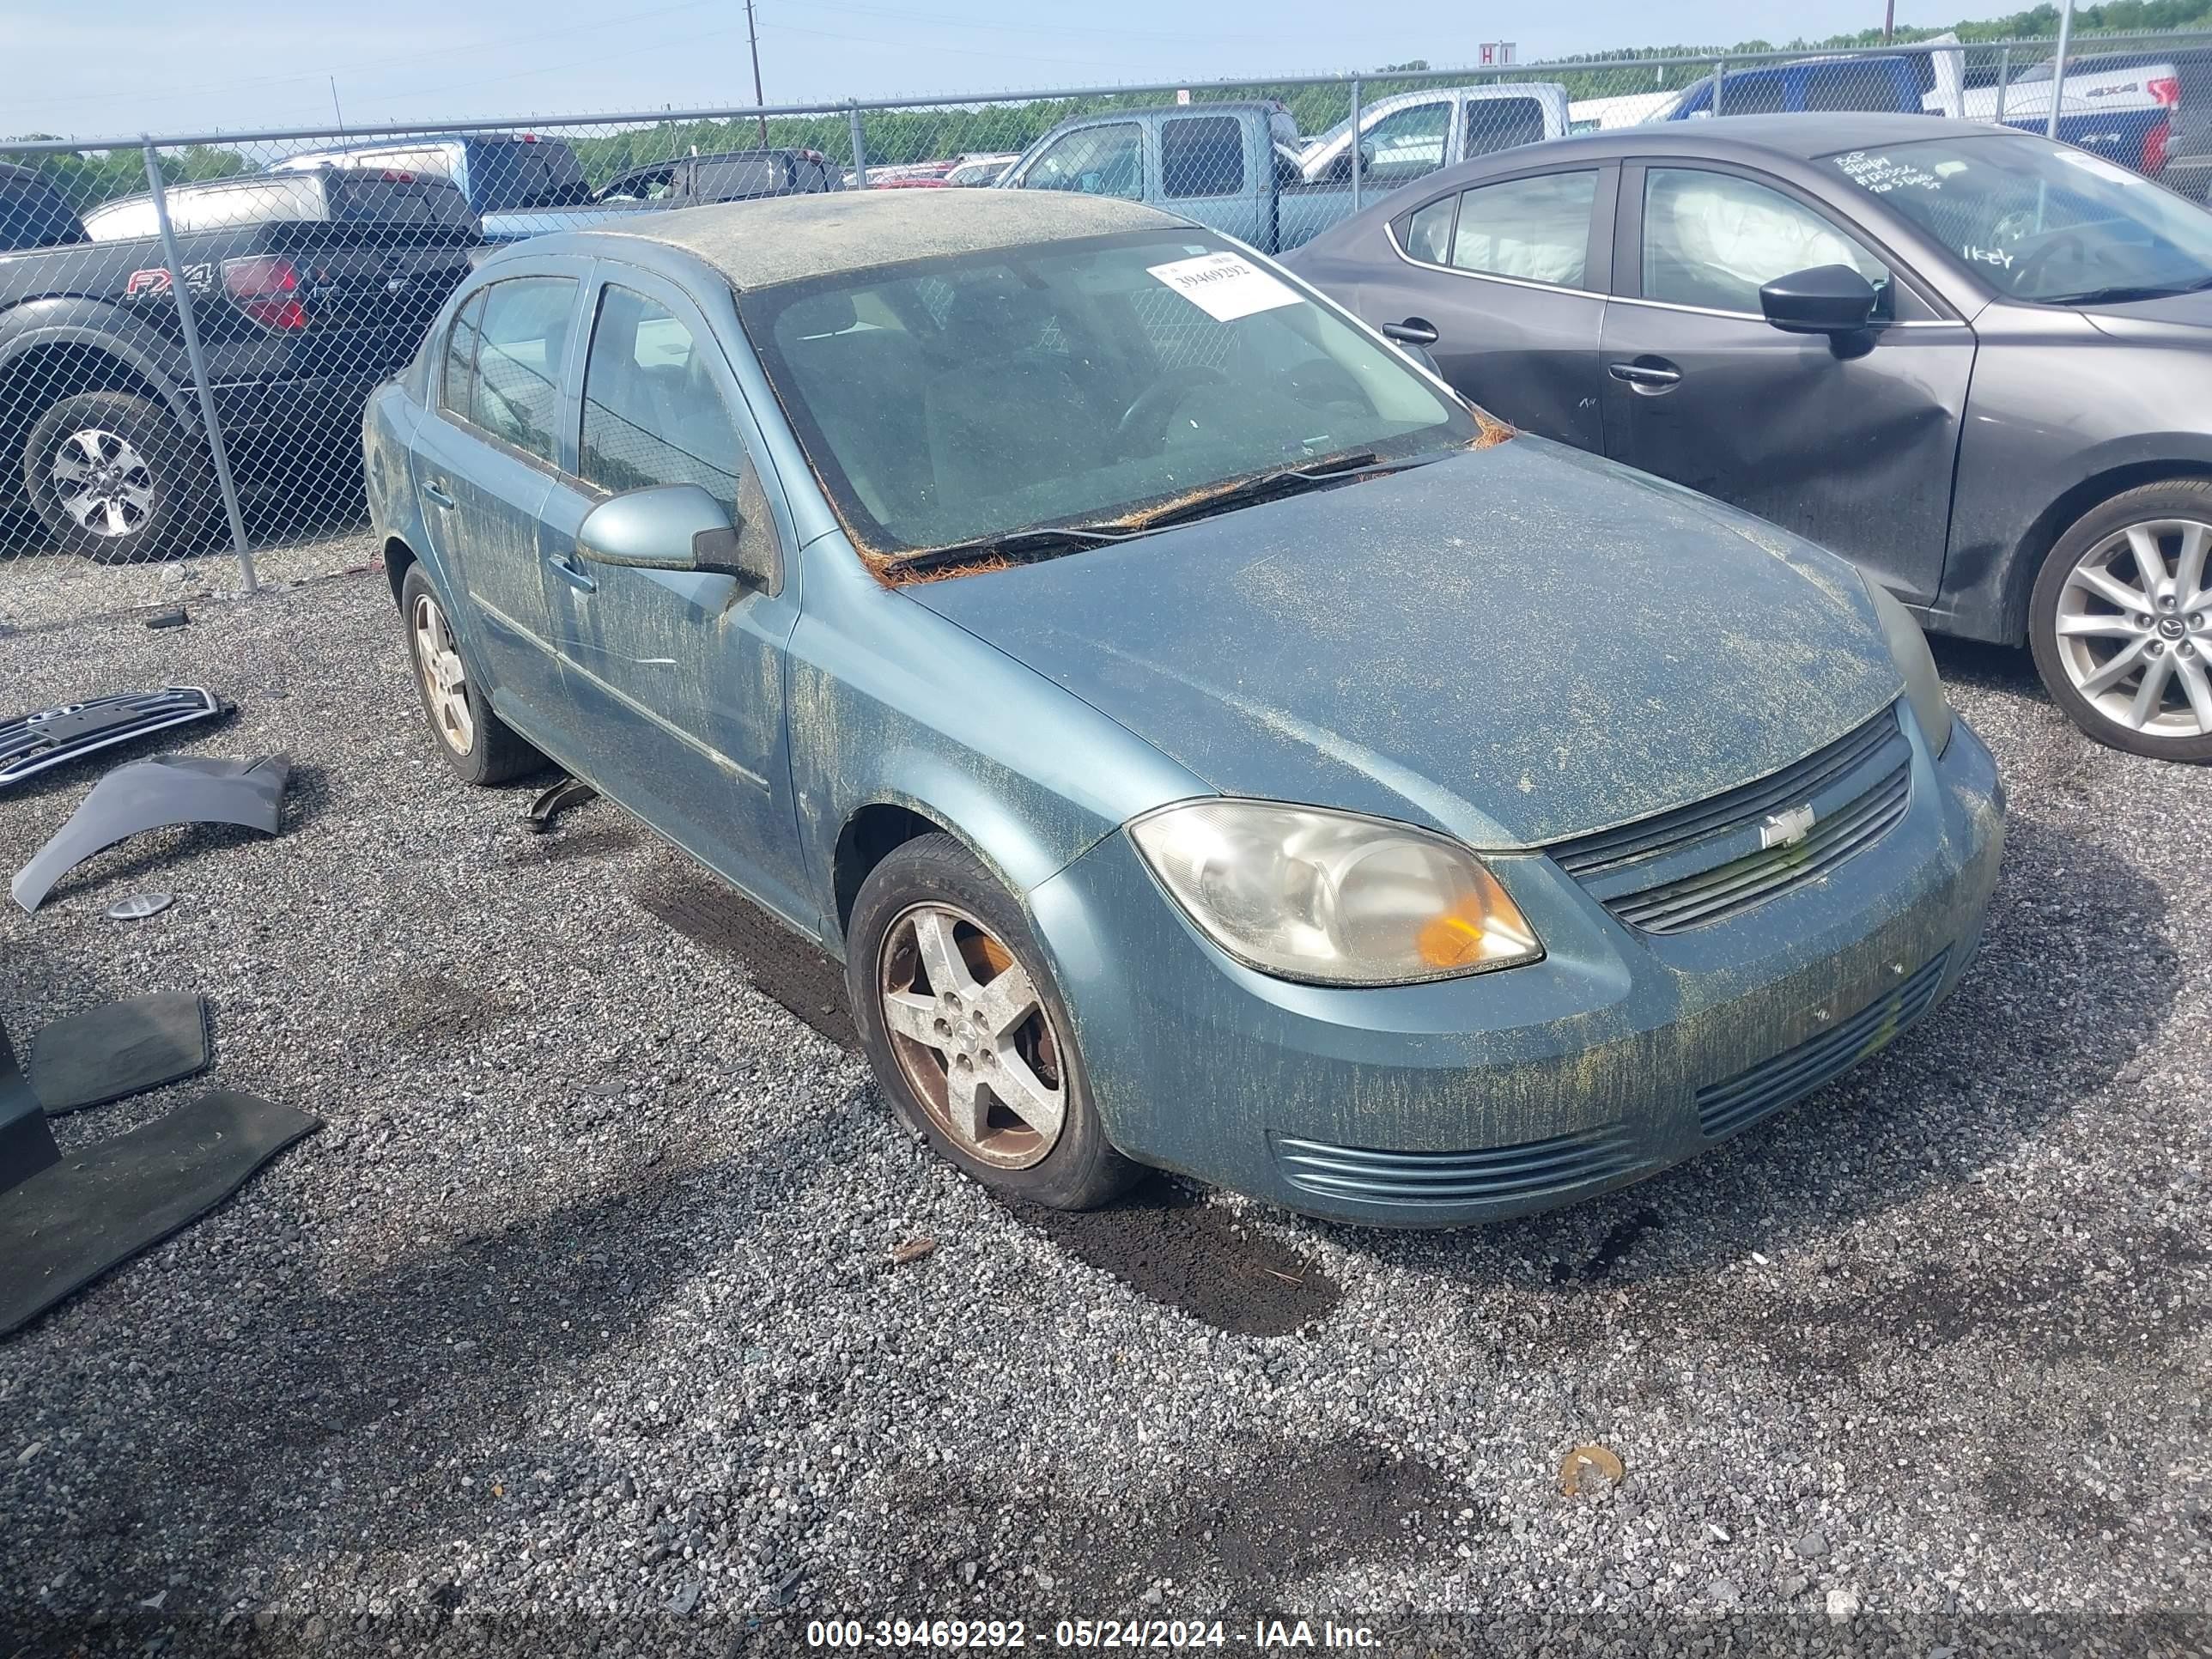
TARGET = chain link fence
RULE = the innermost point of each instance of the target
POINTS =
(189, 327)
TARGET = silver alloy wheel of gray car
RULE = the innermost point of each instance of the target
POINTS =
(2135, 628)
(103, 482)
(445, 681)
(974, 1039)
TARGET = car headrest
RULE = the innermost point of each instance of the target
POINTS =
(996, 314)
(821, 313)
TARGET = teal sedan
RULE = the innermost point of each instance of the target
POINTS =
(1207, 741)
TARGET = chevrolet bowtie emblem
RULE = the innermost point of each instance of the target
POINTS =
(1786, 828)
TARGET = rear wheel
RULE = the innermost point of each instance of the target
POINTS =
(967, 1031)
(477, 743)
(2121, 622)
(116, 477)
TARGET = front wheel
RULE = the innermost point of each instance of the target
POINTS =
(2121, 622)
(967, 1032)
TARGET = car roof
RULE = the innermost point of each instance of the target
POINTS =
(790, 239)
(1802, 136)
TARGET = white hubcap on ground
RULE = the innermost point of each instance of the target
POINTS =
(102, 482)
(444, 683)
(2134, 627)
(972, 1035)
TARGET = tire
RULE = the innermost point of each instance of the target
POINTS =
(480, 747)
(2158, 701)
(889, 945)
(116, 477)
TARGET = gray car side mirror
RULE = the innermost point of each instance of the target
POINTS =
(1824, 300)
(668, 527)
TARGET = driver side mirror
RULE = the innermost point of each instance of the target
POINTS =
(669, 527)
(1825, 299)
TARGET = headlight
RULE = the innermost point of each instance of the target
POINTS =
(1923, 686)
(1307, 894)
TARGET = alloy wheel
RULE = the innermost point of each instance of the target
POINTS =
(2135, 629)
(445, 681)
(973, 1038)
(103, 482)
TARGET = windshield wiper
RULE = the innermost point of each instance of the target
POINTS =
(2121, 294)
(1043, 537)
(1285, 481)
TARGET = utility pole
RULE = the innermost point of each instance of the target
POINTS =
(1889, 21)
(2058, 69)
(752, 35)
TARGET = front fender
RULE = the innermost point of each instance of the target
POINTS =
(2010, 508)
(890, 703)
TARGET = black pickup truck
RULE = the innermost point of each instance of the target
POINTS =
(308, 288)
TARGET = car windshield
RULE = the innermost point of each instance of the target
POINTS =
(2041, 222)
(971, 397)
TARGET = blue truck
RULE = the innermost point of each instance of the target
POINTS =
(1245, 169)
(2125, 115)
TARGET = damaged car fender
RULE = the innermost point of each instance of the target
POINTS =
(1025, 772)
(152, 794)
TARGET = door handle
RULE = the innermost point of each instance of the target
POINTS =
(435, 490)
(1415, 331)
(1644, 377)
(566, 568)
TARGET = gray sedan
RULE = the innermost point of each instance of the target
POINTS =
(1972, 360)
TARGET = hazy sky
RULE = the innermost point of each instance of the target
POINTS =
(128, 65)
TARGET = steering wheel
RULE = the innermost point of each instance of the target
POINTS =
(1144, 423)
(2035, 262)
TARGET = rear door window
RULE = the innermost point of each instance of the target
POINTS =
(739, 177)
(1405, 143)
(1761, 93)
(1495, 123)
(1537, 229)
(1202, 155)
(1852, 86)
(514, 386)
(645, 185)
(459, 362)
(34, 215)
(1106, 160)
(1428, 233)
(507, 175)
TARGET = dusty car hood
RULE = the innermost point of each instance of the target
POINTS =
(2166, 316)
(1516, 645)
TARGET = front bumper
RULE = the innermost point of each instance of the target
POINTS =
(1475, 1099)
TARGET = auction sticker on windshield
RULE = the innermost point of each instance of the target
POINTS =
(1223, 286)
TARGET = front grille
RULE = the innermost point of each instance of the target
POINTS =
(1743, 1099)
(52, 736)
(1704, 863)
(1492, 1173)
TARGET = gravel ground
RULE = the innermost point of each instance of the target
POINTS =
(580, 1327)
(39, 588)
